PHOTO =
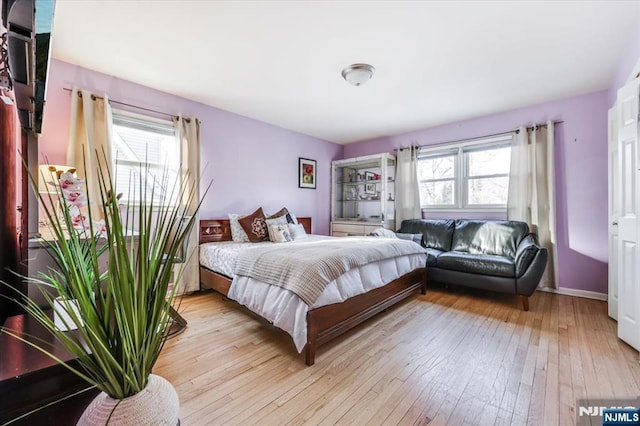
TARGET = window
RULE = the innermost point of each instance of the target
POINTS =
(137, 141)
(437, 177)
(487, 175)
(472, 175)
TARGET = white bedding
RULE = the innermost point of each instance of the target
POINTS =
(221, 257)
(283, 308)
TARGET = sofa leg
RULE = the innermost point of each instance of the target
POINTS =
(525, 302)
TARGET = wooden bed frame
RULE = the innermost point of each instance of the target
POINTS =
(325, 322)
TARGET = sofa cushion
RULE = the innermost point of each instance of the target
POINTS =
(432, 256)
(476, 263)
(495, 237)
(437, 234)
(416, 238)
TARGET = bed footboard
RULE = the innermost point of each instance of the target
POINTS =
(327, 322)
(215, 281)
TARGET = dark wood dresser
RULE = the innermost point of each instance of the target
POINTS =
(30, 380)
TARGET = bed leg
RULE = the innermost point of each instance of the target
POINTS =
(312, 339)
(525, 303)
(423, 288)
(310, 354)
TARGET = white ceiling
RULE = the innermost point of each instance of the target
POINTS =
(280, 61)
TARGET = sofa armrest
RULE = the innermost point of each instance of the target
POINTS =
(528, 282)
(531, 261)
(525, 253)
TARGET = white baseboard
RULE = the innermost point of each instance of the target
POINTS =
(575, 292)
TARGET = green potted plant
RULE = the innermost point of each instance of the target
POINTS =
(120, 281)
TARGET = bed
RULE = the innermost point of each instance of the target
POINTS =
(325, 321)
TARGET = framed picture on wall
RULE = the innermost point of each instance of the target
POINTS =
(307, 173)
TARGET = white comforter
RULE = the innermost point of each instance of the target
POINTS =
(283, 308)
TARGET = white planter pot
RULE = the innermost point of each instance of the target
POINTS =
(156, 404)
(61, 309)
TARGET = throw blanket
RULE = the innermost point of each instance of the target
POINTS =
(306, 267)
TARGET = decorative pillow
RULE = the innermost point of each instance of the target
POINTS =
(382, 232)
(255, 226)
(292, 218)
(297, 231)
(280, 233)
(237, 233)
(280, 220)
(282, 212)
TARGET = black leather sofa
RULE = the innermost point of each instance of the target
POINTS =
(488, 254)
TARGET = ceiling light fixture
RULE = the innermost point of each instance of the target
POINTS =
(358, 74)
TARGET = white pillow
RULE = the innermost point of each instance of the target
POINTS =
(297, 231)
(280, 233)
(382, 232)
(237, 233)
(281, 220)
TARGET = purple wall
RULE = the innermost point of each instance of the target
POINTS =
(581, 175)
(251, 163)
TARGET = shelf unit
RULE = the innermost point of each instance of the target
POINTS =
(362, 194)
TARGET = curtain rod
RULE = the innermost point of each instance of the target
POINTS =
(126, 104)
(536, 125)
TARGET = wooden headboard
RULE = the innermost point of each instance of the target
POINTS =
(217, 230)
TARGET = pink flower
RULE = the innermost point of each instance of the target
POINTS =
(75, 198)
(69, 182)
(79, 222)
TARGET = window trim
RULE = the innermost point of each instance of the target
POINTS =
(461, 171)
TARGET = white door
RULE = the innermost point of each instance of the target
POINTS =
(628, 250)
(614, 212)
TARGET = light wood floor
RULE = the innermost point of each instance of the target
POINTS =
(452, 356)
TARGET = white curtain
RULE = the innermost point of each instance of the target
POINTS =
(90, 141)
(407, 191)
(188, 133)
(532, 196)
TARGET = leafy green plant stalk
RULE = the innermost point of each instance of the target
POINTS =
(125, 306)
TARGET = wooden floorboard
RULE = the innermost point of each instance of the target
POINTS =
(452, 356)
